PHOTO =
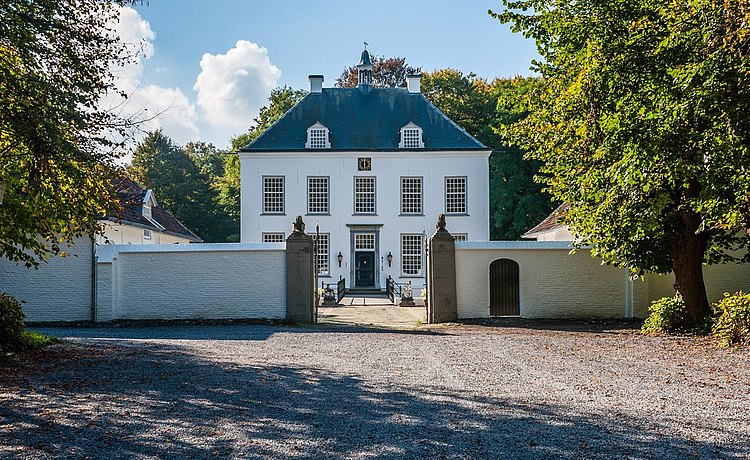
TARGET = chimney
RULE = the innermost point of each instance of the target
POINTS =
(413, 83)
(316, 83)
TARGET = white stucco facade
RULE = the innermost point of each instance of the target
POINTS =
(122, 233)
(387, 223)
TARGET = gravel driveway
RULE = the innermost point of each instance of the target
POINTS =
(524, 390)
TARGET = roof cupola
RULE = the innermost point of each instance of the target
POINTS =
(364, 69)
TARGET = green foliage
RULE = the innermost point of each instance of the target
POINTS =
(11, 323)
(640, 122)
(32, 340)
(56, 151)
(386, 73)
(667, 315)
(179, 185)
(228, 185)
(280, 101)
(517, 202)
(732, 320)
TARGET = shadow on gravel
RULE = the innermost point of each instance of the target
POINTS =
(229, 332)
(572, 325)
(161, 402)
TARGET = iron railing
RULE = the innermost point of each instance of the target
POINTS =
(340, 289)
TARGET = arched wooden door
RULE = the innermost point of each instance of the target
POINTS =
(504, 299)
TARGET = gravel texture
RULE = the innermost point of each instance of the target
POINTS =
(515, 390)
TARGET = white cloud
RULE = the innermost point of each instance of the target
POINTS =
(156, 106)
(232, 87)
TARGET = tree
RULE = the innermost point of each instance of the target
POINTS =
(386, 73)
(642, 127)
(279, 102)
(516, 200)
(179, 185)
(55, 153)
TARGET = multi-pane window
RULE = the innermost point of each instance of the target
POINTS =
(317, 195)
(460, 237)
(321, 261)
(411, 137)
(364, 195)
(411, 195)
(364, 241)
(411, 254)
(455, 195)
(317, 137)
(273, 237)
(273, 194)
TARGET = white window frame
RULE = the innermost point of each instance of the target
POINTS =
(364, 242)
(456, 199)
(147, 234)
(460, 236)
(412, 261)
(270, 204)
(318, 137)
(323, 259)
(365, 199)
(318, 195)
(411, 197)
(273, 237)
(411, 137)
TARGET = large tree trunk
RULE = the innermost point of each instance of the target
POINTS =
(687, 253)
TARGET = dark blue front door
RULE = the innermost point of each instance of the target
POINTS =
(364, 269)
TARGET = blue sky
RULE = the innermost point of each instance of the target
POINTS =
(209, 66)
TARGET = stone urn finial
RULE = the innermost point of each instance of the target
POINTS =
(440, 226)
(298, 226)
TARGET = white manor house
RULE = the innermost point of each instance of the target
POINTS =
(369, 169)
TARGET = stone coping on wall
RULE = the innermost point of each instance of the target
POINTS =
(105, 253)
(485, 245)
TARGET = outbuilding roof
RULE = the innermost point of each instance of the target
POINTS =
(364, 118)
(131, 197)
(550, 223)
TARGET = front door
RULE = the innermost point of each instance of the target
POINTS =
(364, 269)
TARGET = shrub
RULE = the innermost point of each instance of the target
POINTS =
(666, 316)
(732, 319)
(32, 340)
(11, 323)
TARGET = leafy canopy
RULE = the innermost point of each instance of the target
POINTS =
(642, 122)
(517, 202)
(55, 150)
(386, 73)
(642, 127)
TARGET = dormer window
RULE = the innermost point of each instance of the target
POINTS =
(147, 210)
(317, 137)
(411, 137)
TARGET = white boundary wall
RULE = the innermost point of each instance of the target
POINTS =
(196, 281)
(556, 284)
(60, 290)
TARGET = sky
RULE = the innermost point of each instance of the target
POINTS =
(205, 68)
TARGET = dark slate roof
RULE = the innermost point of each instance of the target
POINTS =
(550, 223)
(130, 196)
(364, 120)
(365, 58)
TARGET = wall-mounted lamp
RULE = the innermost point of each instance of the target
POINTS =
(390, 258)
(340, 258)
